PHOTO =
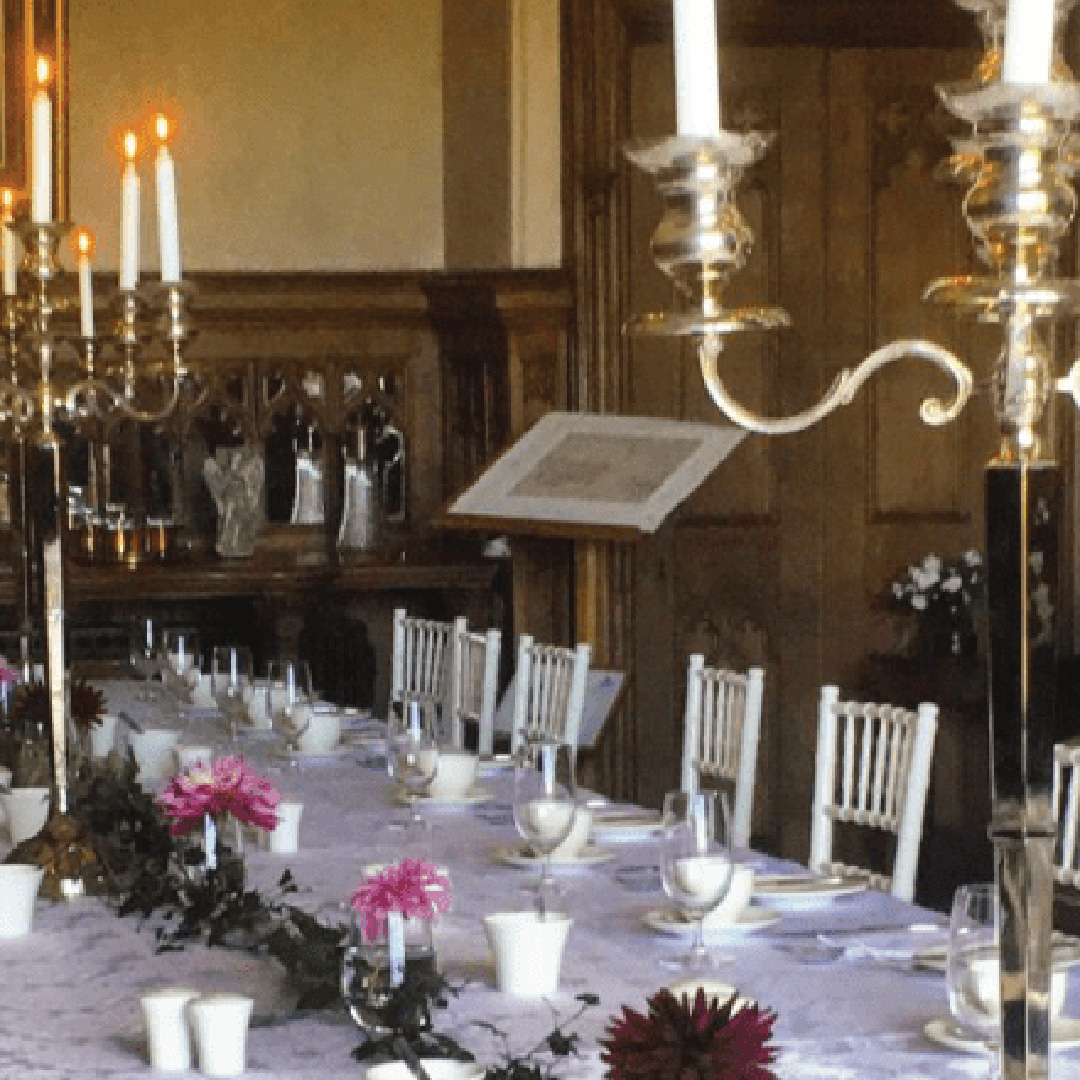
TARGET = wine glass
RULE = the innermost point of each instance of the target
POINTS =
(546, 804)
(413, 758)
(146, 652)
(230, 674)
(972, 965)
(696, 866)
(181, 652)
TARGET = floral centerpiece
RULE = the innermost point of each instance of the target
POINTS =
(390, 977)
(208, 794)
(701, 1040)
(943, 594)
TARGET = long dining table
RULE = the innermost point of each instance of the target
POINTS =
(69, 992)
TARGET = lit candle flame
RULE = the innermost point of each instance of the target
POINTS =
(131, 145)
(44, 71)
(7, 200)
(161, 127)
(84, 243)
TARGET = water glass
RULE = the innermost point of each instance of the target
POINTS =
(146, 645)
(972, 966)
(696, 865)
(546, 804)
(413, 756)
(230, 676)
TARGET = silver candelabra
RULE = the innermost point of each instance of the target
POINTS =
(1018, 160)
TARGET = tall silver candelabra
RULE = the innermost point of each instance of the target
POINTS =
(57, 373)
(1018, 160)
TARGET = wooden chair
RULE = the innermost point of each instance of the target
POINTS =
(420, 660)
(472, 693)
(721, 725)
(1065, 806)
(872, 770)
(549, 691)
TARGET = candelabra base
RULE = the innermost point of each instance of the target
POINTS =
(66, 851)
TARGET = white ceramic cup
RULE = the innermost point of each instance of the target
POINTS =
(202, 692)
(220, 1025)
(103, 736)
(323, 731)
(259, 710)
(168, 1033)
(153, 749)
(580, 831)
(19, 884)
(285, 836)
(455, 772)
(735, 901)
(26, 810)
(189, 756)
(527, 950)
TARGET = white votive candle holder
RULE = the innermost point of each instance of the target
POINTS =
(19, 884)
(284, 838)
(220, 1026)
(168, 1034)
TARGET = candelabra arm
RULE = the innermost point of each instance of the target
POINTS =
(844, 388)
(120, 402)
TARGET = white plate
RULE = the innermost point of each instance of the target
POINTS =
(944, 1030)
(476, 794)
(436, 1068)
(493, 765)
(935, 958)
(519, 856)
(631, 824)
(796, 890)
(666, 921)
(341, 752)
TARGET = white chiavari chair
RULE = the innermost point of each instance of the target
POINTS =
(1066, 810)
(872, 770)
(420, 660)
(721, 726)
(473, 684)
(549, 691)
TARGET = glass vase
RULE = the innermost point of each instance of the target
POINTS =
(382, 978)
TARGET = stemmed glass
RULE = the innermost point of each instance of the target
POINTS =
(230, 675)
(289, 686)
(972, 966)
(181, 653)
(696, 866)
(413, 759)
(545, 804)
(146, 652)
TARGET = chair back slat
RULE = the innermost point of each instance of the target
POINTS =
(420, 659)
(884, 754)
(550, 691)
(473, 679)
(721, 729)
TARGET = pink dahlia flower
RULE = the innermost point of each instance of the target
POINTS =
(226, 787)
(413, 888)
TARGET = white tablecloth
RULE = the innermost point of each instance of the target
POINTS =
(69, 993)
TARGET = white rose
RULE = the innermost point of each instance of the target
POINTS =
(924, 580)
(952, 583)
(918, 603)
(932, 564)
(972, 558)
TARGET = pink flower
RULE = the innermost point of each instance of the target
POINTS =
(226, 787)
(413, 888)
(8, 675)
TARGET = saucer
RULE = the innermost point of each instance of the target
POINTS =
(476, 794)
(805, 890)
(945, 1031)
(668, 922)
(520, 855)
(629, 823)
(494, 764)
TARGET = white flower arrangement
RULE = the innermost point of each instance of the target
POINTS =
(938, 587)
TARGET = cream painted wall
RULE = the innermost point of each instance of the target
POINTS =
(536, 134)
(311, 130)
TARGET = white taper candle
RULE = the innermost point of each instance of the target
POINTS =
(697, 69)
(129, 218)
(1029, 42)
(7, 245)
(41, 148)
(168, 223)
(84, 249)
